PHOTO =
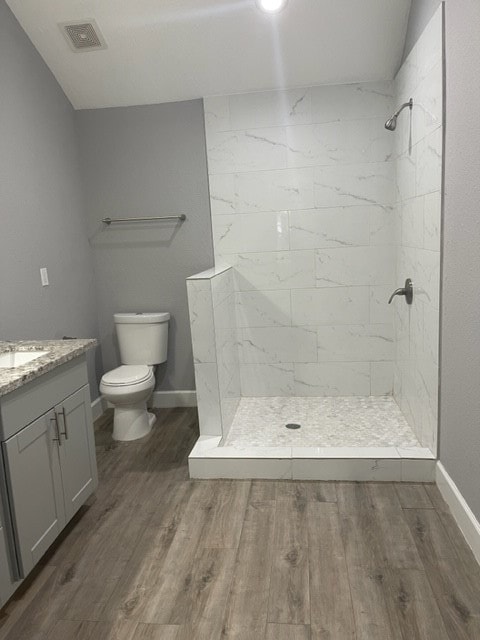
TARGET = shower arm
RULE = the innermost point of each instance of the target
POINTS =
(404, 106)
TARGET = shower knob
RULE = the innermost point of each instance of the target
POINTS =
(406, 291)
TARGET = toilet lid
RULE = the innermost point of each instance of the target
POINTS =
(127, 374)
(154, 317)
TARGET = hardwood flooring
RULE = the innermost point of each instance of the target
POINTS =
(156, 556)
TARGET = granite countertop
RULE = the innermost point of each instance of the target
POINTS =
(59, 352)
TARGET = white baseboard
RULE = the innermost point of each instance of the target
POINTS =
(464, 517)
(168, 399)
(98, 407)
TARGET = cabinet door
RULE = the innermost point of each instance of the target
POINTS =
(34, 488)
(7, 564)
(77, 450)
(5, 579)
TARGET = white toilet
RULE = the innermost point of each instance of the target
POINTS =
(143, 339)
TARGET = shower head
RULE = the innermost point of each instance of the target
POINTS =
(391, 123)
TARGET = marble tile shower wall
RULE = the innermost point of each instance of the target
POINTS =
(419, 154)
(211, 303)
(301, 187)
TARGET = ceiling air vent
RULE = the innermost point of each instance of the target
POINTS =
(83, 35)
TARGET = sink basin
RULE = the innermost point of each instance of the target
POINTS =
(12, 359)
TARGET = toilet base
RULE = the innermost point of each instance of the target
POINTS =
(152, 418)
(132, 422)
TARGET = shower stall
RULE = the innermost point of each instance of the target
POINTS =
(323, 205)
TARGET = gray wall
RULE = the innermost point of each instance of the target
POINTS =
(420, 13)
(42, 222)
(460, 377)
(147, 161)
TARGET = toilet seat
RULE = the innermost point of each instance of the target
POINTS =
(128, 375)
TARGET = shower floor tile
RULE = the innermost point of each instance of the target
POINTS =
(325, 422)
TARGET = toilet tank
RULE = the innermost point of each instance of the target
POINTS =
(142, 337)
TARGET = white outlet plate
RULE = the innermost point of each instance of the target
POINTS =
(44, 276)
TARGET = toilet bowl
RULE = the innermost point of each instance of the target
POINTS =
(143, 341)
(128, 388)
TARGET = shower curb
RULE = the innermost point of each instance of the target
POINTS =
(210, 460)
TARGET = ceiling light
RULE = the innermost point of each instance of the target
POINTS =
(271, 6)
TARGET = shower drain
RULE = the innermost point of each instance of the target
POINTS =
(293, 425)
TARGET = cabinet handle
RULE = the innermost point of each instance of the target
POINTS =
(65, 433)
(57, 430)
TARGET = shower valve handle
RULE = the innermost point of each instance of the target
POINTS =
(406, 291)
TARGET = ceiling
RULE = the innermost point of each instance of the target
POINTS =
(168, 50)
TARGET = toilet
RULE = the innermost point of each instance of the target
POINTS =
(143, 339)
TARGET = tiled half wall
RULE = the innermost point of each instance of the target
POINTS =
(302, 194)
(211, 302)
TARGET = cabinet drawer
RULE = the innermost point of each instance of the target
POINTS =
(22, 406)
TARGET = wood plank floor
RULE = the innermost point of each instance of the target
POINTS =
(156, 556)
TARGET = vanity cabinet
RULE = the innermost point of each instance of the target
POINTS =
(50, 464)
